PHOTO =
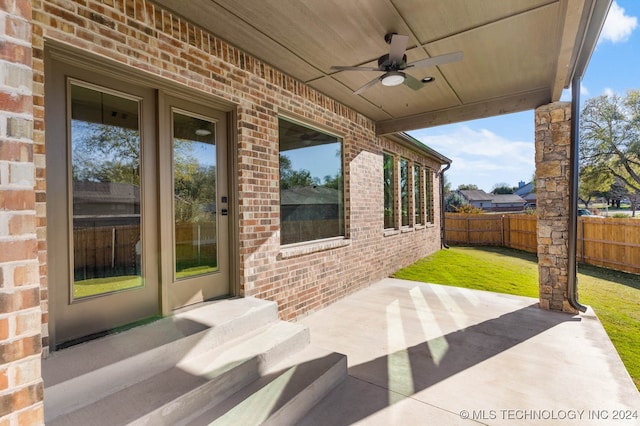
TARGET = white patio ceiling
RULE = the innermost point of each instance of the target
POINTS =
(518, 54)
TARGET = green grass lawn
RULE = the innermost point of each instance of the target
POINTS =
(613, 295)
(93, 286)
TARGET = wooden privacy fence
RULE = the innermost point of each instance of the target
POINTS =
(610, 243)
(106, 251)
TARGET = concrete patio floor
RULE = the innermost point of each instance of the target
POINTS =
(430, 354)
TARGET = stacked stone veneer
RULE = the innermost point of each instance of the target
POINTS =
(553, 165)
(21, 389)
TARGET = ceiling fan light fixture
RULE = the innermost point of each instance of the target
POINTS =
(392, 78)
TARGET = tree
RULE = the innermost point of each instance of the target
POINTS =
(194, 184)
(105, 153)
(610, 137)
(446, 183)
(468, 186)
(453, 202)
(502, 188)
(593, 181)
(290, 178)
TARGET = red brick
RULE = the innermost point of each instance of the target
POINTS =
(25, 274)
(20, 349)
(13, 102)
(4, 379)
(15, 199)
(32, 417)
(20, 224)
(5, 404)
(11, 251)
(4, 329)
(27, 396)
(15, 53)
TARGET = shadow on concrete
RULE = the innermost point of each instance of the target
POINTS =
(466, 348)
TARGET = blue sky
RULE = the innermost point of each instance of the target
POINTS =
(501, 149)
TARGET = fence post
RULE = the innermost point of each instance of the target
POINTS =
(582, 240)
(468, 230)
(113, 247)
(502, 230)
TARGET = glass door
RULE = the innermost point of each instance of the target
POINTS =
(101, 204)
(195, 202)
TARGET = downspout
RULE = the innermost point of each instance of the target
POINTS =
(572, 285)
(442, 212)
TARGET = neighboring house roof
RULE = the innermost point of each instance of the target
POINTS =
(309, 195)
(524, 190)
(507, 199)
(105, 192)
(475, 195)
(412, 143)
(527, 192)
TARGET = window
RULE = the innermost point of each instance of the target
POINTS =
(389, 193)
(404, 192)
(417, 195)
(311, 184)
(428, 191)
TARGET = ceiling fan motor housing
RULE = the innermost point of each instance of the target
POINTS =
(385, 65)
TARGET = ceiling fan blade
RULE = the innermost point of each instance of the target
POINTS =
(366, 86)
(398, 46)
(412, 82)
(347, 68)
(436, 60)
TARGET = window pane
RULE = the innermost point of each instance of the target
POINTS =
(389, 184)
(417, 194)
(311, 188)
(428, 195)
(194, 201)
(105, 170)
(404, 192)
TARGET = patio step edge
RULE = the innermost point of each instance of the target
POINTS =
(195, 384)
(283, 395)
(88, 372)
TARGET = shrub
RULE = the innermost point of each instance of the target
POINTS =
(469, 209)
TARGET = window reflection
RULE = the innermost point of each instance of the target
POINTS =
(194, 183)
(105, 172)
(389, 193)
(417, 194)
(404, 192)
(428, 191)
(311, 184)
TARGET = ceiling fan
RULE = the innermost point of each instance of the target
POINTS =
(395, 62)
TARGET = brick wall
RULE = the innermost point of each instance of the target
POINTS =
(553, 164)
(21, 389)
(143, 36)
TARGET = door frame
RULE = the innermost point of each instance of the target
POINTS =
(80, 59)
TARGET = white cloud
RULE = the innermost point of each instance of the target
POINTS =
(482, 157)
(618, 26)
(567, 95)
(583, 90)
(608, 91)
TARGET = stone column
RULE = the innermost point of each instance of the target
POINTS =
(21, 389)
(553, 164)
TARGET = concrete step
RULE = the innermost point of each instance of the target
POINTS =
(81, 375)
(283, 395)
(195, 384)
